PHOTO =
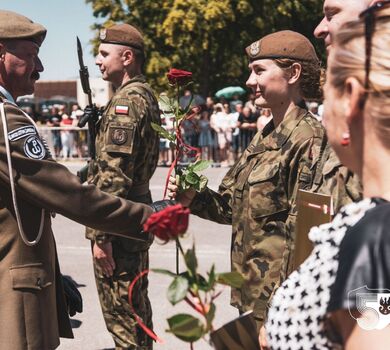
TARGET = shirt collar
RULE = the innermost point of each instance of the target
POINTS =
(6, 94)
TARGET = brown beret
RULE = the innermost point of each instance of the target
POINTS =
(283, 44)
(16, 26)
(122, 34)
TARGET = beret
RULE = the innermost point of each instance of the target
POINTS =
(122, 34)
(16, 26)
(282, 44)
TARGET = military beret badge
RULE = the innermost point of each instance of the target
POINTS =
(255, 48)
(103, 33)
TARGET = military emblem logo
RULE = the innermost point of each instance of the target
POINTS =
(119, 136)
(33, 148)
(373, 305)
(103, 33)
(255, 48)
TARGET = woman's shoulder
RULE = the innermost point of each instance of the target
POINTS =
(308, 127)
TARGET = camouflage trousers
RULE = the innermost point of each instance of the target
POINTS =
(113, 296)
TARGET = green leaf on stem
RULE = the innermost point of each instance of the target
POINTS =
(186, 327)
(200, 165)
(210, 316)
(192, 178)
(191, 261)
(232, 279)
(177, 290)
(162, 132)
(212, 277)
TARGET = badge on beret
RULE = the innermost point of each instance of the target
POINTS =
(103, 33)
(119, 136)
(255, 48)
(122, 110)
(33, 148)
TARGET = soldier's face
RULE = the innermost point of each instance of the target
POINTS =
(336, 13)
(22, 67)
(268, 83)
(110, 62)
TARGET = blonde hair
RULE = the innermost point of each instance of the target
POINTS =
(349, 57)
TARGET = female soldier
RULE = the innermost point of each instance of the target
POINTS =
(258, 195)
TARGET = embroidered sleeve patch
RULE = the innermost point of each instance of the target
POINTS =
(124, 110)
(19, 133)
(119, 136)
(33, 148)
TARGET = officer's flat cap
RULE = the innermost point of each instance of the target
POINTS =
(283, 44)
(122, 34)
(16, 26)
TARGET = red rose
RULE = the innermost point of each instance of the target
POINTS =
(179, 77)
(168, 223)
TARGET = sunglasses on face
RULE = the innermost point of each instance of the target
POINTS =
(369, 16)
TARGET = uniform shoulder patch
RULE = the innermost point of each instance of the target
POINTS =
(22, 132)
(119, 136)
(121, 109)
(34, 148)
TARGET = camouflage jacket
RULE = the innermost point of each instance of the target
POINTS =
(258, 198)
(127, 149)
(335, 179)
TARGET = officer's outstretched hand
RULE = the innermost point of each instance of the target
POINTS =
(160, 205)
(72, 296)
(185, 198)
(90, 113)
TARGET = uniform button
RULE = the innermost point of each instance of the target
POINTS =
(39, 282)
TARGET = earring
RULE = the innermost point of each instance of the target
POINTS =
(345, 139)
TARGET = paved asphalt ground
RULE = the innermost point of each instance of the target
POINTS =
(213, 246)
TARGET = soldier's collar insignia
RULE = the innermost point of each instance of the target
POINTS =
(103, 33)
(255, 48)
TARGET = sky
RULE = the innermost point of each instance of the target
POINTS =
(64, 20)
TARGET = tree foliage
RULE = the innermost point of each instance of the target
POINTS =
(206, 37)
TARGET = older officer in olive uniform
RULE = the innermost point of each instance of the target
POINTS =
(33, 310)
(126, 157)
(258, 195)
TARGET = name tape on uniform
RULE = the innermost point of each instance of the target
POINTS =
(19, 133)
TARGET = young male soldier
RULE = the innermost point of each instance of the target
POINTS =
(126, 157)
(33, 311)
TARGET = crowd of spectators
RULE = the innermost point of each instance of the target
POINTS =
(222, 130)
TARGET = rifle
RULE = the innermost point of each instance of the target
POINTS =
(90, 119)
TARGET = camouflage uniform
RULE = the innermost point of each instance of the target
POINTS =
(258, 198)
(126, 158)
(337, 180)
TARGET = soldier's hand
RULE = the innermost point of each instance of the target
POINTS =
(263, 339)
(185, 198)
(90, 113)
(102, 253)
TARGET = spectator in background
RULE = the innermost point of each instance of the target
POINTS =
(235, 131)
(54, 120)
(222, 127)
(205, 138)
(66, 135)
(247, 123)
(263, 120)
(251, 103)
(79, 135)
(234, 102)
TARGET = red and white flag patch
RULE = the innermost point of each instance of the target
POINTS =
(122, 110)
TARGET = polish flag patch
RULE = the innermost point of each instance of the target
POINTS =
(122, 110)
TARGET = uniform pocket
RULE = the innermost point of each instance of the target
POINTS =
(30, 276)
(266, 190)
